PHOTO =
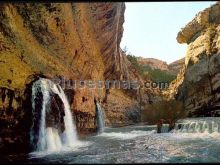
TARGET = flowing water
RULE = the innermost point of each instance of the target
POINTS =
(198, 125)
(49, 138)
(70, 134)
(193, 140)
(101, 119)
(196, 140)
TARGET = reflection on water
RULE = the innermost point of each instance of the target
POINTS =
(139, 144)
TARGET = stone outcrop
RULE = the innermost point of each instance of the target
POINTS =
(176, 66)
(72, 41)
(198, 83)
(201, 21)
(153, 63)
(125, 112)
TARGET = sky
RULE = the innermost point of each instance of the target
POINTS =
(150, 28)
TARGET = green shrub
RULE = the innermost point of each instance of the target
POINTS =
(156, 75)
(134, 62)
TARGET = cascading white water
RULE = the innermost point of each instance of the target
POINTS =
(70, 130)
(192, 127)
(214, 126)
(101, 119)
(165, 128)
(43, 87)
(49, 138)
(197, 127)
(204, 125)
(53, 140)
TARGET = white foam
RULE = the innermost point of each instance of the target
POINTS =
(125, 135)
(49, 138)
(204, 125)
(78, 146)
(70, 133)
(184, 135)
(53, 139)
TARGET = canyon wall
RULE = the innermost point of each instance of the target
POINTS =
(176, 66)
(198, 83)
(71, 41)
(153, 63)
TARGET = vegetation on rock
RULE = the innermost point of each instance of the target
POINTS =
(166, 110)
(155, 75)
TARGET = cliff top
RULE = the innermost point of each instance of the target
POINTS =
(205, 18)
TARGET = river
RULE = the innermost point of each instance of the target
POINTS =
(137, 144)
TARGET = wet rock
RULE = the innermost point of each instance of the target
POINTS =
(55, 113)
(65, 40)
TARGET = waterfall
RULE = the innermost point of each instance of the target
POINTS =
(200, 125)
(101, 119)
(50, 138)
(197, 127)
(164, 128)
(43, 87)
(70, 130)
(53, 139)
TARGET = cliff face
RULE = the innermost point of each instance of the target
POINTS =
(198, 84)
(153, 63)
(176, 66)
(75, 41)
(172, 68)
